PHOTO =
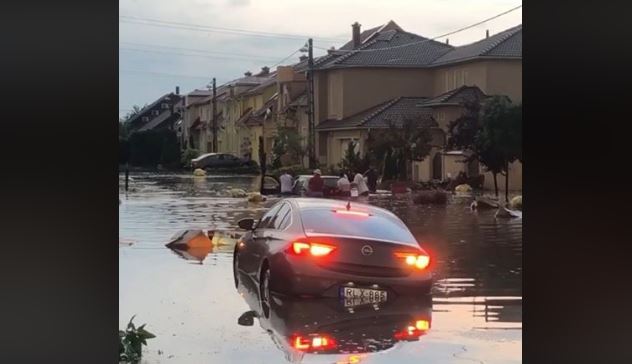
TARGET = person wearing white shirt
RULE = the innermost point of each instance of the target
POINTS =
(286, 183)
(363, 189)
(343, 184)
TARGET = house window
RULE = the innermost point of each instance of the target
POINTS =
(145, 118)
(164, 105)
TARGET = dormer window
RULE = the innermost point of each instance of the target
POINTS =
(145, 118)
(164, 106)
(155, 112)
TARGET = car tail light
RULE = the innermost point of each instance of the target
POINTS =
(313, 249)
(421, 261)
(413, 331)
(315, 342)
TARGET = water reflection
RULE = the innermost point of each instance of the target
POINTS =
(194, 308)
(326, 328)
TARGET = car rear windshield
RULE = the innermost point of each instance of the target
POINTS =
(378, 227)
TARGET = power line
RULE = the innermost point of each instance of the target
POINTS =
(206, 28)
(286, 58)
(243, 58)
(166, 74)
(429, 39)
(189, 49)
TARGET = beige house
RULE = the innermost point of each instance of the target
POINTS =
(232, 103)
(365, 77)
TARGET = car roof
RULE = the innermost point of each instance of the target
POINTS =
(205, 155)
(307, 203)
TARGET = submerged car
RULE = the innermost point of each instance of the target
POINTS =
(335, 331)
(325, 247)
(218, 160)
(330, 187)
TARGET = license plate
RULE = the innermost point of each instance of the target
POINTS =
(360, 296)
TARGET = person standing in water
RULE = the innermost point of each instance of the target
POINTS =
(371, 176)
(315, 185)
(286, 183)
(363, 189)
(343, 184)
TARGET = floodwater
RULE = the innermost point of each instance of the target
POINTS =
(189, 300)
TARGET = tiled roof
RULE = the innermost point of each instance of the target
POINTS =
(165, 116)
(381, 116)
(390, 48)
(352, 121)
(506, 44)
(152, 105)
(458, 95)
(300, 100)
(386, 46)
(244, 117)
(401, 108)
(271, 80)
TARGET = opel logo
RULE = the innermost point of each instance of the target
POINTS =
(367, 250)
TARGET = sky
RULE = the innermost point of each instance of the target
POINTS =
(155, 57)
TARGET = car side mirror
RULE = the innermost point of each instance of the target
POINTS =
(246, 224)
(247, 318)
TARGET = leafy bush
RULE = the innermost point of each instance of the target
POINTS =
(187, 155)
(131, 341)
(352, 161)
(153, 147)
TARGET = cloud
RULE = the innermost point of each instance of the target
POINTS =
(238, 2)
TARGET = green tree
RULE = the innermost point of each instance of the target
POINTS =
(134, 111)
(287, 142)
(492, 133)
(399, 145)
(352, 161)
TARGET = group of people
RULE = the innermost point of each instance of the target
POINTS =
(315, 186)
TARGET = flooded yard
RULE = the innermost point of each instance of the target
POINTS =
(189, 299)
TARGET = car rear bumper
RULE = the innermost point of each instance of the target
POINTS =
(292, 275)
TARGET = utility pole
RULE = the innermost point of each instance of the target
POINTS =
(310, 102)
(214, 116)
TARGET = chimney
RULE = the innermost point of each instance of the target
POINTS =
(177, 90)
(248, 74)
(302, 58)
(447, 41)
(487, 33)
(331, 50)
(355, 27)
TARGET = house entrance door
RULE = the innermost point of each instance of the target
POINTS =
(437, 162)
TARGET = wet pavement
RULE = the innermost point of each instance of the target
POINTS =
(189, 300)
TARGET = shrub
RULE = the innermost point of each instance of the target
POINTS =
(131, 341)
(187, 155)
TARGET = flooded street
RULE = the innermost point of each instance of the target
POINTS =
(189, 300)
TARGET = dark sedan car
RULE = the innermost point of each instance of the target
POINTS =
(330, 187)
(335, 331)
(323, 247)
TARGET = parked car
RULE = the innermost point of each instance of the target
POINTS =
(335, 331)
(330, 188)
(218, 160)
(326, 247)
(271, 185)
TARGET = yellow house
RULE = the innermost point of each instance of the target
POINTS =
(354, 84)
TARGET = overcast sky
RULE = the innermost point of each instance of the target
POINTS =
(155, 58)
